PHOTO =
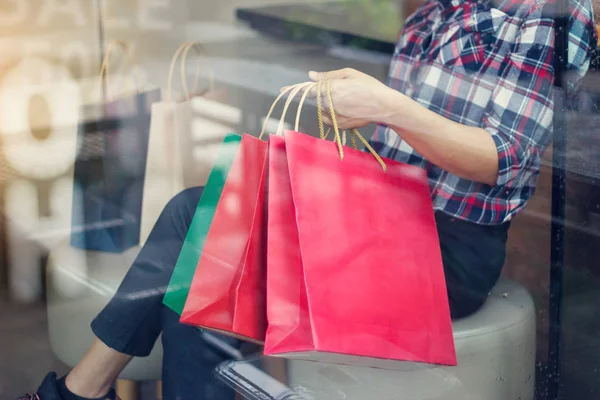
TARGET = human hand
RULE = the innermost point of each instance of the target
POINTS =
(358, 99)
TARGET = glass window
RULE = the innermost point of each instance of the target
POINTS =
(325, 199)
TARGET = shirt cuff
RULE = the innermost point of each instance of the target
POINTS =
(512, 157)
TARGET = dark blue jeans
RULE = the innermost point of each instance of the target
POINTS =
(473, 257)
(135, 316)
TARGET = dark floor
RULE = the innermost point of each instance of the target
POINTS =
(25, 353)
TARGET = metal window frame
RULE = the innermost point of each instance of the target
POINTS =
(558, 211)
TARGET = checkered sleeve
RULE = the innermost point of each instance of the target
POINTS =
(519, 115)
(583, 38)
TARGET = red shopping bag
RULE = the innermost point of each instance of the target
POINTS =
(354, 269)
(227, 293)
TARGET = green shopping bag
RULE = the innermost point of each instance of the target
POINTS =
(185, 268)
(177, 292)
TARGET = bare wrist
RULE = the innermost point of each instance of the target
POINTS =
(393, 106)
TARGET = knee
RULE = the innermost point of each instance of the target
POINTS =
(185, 202)
(187, 199)
(177, 215)
(465, 301)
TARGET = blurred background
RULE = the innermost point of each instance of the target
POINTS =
(49, 69)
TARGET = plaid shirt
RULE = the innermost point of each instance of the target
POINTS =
(490, 67)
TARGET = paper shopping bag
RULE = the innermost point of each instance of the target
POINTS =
(164, 170)
(227, 292)
(181, 279)
(109, 169)
(354, 266)
(228, 289)
(172, 125)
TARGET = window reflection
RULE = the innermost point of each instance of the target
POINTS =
(50, 88)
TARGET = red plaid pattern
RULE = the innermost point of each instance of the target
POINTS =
(489, 66)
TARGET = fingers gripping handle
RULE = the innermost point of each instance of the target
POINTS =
(354, 132)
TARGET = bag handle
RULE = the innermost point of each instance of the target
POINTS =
(344, 134)
(105, 68)
(308, 86)
(172, 69)
(352, 139)
(337, 137)
(211, 77)
(322, 134)
(294, 89)
(185, 47)
(297, 88)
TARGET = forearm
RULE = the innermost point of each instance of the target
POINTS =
(465, 151)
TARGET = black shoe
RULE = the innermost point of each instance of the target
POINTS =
(48, 390)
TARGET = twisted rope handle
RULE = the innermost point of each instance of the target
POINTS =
(172, 70)
(320, 111)
(105, 68)
(293, 91)
(337, 138)
(323, 135)
(371, 149)
(353, 131)
(283, 93)
(185, 48)
(211, 77)
(297, 88)
(352, 138)
(301, 105)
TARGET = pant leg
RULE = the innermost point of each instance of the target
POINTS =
(189, 363)
(132, 320)
(473, 256)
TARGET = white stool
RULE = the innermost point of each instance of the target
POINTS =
(496, 361)
(80, 283)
